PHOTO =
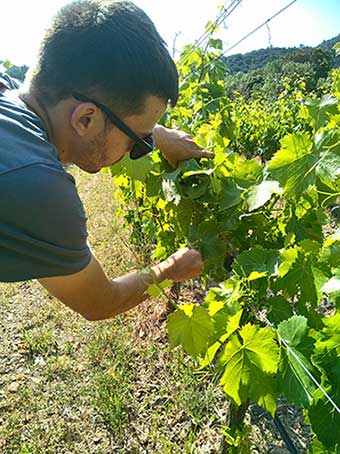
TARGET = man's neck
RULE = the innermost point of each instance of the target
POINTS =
(32, 101)
(33, 104)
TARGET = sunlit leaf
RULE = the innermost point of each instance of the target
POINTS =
(190, 327)
(248, 361)
(258, 195)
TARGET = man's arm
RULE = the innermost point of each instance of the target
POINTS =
(96, 297)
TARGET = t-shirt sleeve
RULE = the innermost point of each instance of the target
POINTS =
(42, 224)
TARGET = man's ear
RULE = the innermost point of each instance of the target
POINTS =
(86, 119)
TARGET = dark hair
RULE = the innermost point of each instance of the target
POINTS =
(108, 49)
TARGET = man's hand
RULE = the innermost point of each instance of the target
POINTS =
(91, 293)
(177, 145)
(183, 264)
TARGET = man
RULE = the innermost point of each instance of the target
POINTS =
(102, 80)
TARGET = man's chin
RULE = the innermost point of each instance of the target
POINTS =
(91, 170)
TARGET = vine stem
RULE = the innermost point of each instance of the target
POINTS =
(170, 300)
(329, 197)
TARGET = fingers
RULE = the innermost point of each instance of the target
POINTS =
(198, 153)
(196, 150)
(180, 146)
(185, 264)
(197, 264)
(204, 154)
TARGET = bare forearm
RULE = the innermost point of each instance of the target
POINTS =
(130, 290)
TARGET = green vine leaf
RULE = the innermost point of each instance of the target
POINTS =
(230, 195)
(250, 360)
(258, 195)
(330, 253)
(136, 170)
(157, 289)
(279, 309)
(205, 236)
(257, 260)
(293, 380)
(292, 163)
(191, 327)
(231, 324)
(300, 273)
(325, 420)
(316, 447)
(327, 349)
(320, 110)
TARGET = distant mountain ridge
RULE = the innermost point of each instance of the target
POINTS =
(257, 59)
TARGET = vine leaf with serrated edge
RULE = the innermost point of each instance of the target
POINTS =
(324, 418)
(135, 169)
(257, 260)
(299, 161)
(250, 360)
(293, 381)
(258, 195)
(191, 327)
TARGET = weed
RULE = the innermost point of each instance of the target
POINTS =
(39, 342)
(111, 351)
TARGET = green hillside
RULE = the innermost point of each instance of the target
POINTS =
(257, 59)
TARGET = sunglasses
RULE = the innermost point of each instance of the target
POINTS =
(141, 147)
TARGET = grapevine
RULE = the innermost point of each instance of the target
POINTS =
(263, 228)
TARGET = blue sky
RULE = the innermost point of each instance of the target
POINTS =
(306, 22)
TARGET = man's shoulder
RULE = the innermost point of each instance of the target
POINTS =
(24, 140)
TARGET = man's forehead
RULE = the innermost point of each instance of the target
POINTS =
(154, 108)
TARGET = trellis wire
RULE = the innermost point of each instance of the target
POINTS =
(250, 33)
(220, 18)
(310, 375)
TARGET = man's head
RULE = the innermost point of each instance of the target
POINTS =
(106, 49)
(111, 52)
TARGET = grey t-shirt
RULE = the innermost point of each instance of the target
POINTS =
(42, 220)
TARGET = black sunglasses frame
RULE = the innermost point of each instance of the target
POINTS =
(141, 147)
